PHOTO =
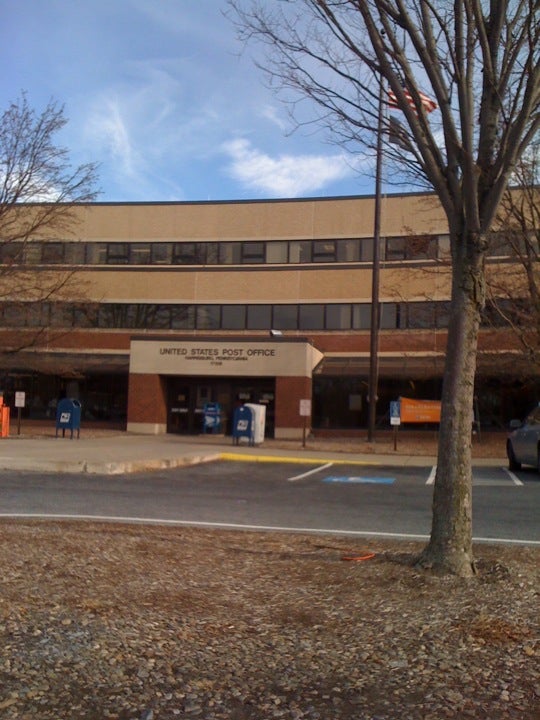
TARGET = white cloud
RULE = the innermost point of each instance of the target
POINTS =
(286, 175)
(108, 129)
(152, 89)
(269, 112)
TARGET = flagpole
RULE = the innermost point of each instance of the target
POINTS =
(375, 315)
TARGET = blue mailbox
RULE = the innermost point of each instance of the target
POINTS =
(243, 426)
(68, 416)
(212, 417)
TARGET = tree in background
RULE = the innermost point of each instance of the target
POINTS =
(515, 294)
(464, 77)
(38, 190)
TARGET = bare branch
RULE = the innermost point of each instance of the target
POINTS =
(479, 60)
(38, 191)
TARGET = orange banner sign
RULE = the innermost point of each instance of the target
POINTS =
(420, 411)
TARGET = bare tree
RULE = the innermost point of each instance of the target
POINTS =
(514, 294)
(38, 191)
(479, 62)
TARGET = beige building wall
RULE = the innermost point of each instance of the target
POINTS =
(267, 219)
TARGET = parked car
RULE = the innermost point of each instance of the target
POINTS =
(523, 443)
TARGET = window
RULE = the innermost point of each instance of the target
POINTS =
(300, 251)
(112, 315)
(311, 317)
(142, 315)
(14, 314)
(324, 251)
(503, 311)
(117, 253)
(11, 252)
(61, 315)
(211, 253)
(161, 253)
(420, 247)
(160, 317)
(366, 250)
(443, 247)
(277, 253)
(85, 316)
(208, 317)
(412, 247)
(361, 317)
(252, 252)
(52, 253)
(338, 317)
(96, 253)
(188, 253)
(389, 316)
(183, 317)
(32, 253)
(285, 317)
(442, 314)
(230, 253)
(141, 254)
(511, 243)
(37, 314)
(421, 315)
(395, 249)
(348, 250)
(233, 317)
(74, 253)
(259, 317)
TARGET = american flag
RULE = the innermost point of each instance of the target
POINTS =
(428, 104)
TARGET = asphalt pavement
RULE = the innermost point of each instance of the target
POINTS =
(123, 453)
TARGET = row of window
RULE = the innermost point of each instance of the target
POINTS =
(274, 252)
(271, 252)
(152, 316)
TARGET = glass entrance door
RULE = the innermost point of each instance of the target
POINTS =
(187, 397)
(179, 411)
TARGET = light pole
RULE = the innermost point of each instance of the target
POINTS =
(375, 315)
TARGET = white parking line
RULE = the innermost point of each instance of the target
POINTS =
(512, 477)
(238, 526)
(310, 472)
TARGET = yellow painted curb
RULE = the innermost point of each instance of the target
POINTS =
(240, 457)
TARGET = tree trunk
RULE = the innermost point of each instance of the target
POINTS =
(450, 547)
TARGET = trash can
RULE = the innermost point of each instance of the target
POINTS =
(4, 418)
(68, 416)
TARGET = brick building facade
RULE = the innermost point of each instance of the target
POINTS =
(293, 276)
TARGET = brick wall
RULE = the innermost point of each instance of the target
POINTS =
(147, 399)
(289, 392)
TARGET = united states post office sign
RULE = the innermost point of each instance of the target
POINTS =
(199, 357)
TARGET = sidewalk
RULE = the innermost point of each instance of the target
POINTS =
(118, 452)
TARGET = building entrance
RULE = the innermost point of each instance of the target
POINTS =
(186, 398)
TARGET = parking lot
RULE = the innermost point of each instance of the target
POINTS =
(341, 497)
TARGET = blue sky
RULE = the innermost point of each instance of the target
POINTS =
(160, 94)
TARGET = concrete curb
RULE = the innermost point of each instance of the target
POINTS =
(125, 468)
(103, 468)
(127, 454)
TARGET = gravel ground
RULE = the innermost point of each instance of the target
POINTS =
(130, 622)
